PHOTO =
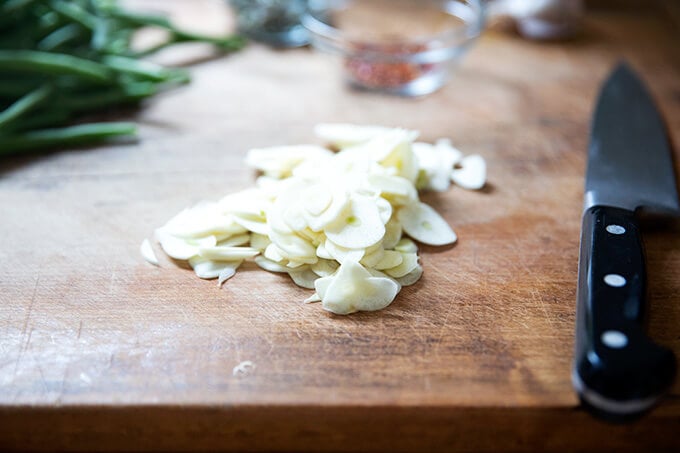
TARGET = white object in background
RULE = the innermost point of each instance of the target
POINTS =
(541, 19)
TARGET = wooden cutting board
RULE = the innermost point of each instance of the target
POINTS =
(100, 350)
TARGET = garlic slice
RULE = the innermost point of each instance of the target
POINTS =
(147, 252)
(201, 220)
(406, 245)
(395, 189)
(389, 260)
(293, 247)
(338, 205)
(360, 227)
(321, 252)
(180, 248)
(208, 269)
(304, 278)
(342, 254)
(343, 135)
(471, 174)
(226, 274)
(254, 224)
(435, 164)
(311, 299)
(234, 241)
(424, 224)
(259, 241)
(412, 277)
(408, 263)
(226, 253)
(279, 161)
(353, 289)
(392, 234)
(269, 265)
(324, 267)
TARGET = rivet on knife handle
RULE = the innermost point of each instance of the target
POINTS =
(618, 371)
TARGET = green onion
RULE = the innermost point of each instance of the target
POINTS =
(82, 134)
(24, 105)
(62, 59)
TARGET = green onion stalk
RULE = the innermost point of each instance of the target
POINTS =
(63, 59)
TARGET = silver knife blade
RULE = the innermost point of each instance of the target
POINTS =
(629, 160)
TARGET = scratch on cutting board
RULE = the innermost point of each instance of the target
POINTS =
(243, 368)
(536, 296)
(30, 305)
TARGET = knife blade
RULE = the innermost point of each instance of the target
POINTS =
(618, 372)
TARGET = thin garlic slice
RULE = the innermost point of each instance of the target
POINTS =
(181, 248)
(147, 252)
(353, 289)
(406, 245)
(254, 224)
(325, 267)
(471, 174)
(408, 264)
(335, 209)
(208, 269)
(259, 241)
(424, 224)
(226, 273)
(321, 252)
(373, 257)
(293, 247)
(412, 277)
(274, 253)
(395, 189)
(342, 254)
(392, 234)
(279, 161)
(311, 299)
(269, 265)
(233, 241)
(226, 253)
(435, 164)
(201, 220)
(304, 278)
(389, 260)
(343, 135)
(360, 227)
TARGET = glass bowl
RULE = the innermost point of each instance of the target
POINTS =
(403, 47)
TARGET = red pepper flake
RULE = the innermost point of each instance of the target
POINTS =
(392, 71)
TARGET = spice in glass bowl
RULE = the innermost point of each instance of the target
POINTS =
(393, 70)
(403, 47)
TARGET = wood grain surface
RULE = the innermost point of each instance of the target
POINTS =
(101, 351)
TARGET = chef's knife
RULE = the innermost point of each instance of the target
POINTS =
(619, 373)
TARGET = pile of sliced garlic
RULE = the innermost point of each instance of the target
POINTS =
(333, 221)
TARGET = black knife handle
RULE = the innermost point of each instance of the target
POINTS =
(619, 372)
